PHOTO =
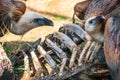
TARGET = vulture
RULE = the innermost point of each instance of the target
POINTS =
(110, 38)
(111, 28)
(14, 19)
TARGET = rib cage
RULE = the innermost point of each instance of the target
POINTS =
(55, 52)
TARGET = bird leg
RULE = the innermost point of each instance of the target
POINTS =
(59, 52)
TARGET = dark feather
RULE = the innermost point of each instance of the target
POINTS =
(10, 10)
(112, 46)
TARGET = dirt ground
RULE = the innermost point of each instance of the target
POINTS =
(60, 11)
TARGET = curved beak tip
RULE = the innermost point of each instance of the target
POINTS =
(52, 24)
(103, 17)
(49, 22)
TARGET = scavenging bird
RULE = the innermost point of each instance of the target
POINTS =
(111, 10)
(14, 18)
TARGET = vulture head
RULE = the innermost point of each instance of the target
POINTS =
(29, 21)
(94, 26)
(14, 19)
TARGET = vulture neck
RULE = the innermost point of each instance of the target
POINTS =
(20, 27)
(17, 29)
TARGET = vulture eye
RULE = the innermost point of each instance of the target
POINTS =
(37, 20)
(91, 21)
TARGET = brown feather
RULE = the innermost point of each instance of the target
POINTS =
(100, 7)
(10, 10)
(112, 46)
(20, 9)
(95, 8)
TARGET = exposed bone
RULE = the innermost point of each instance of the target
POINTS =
(83, 53)
(101, 73)
(26, 74)
(47, 57)
(66, 74)
(65, 39)
(59, 52)
(95, 51)
(74, 52)
(36, 63)
(45, 71)
(92, 46)
(54, 47)
(88, 53)
(68, 43)
(78, 30)
(71, 34)
(82, 34)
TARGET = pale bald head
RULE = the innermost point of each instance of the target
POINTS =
(94, 27)
(94, 23)
(14, 18)
(29, 21)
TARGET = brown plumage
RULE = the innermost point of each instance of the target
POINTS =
(20, 9)
(112, 46)
(79, 9)
(100, 7)
(111, 10)
(14, 19)
(95, 8)
(10, 10)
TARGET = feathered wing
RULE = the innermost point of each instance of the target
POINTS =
(19, 10)
(115, 12)
(100, 7)
(112, 46)
(10, 10)
(80, 8)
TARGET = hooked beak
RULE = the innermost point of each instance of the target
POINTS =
(100, 18)
(48, 22)
(43, 22)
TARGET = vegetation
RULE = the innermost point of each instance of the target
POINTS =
(61, 17)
